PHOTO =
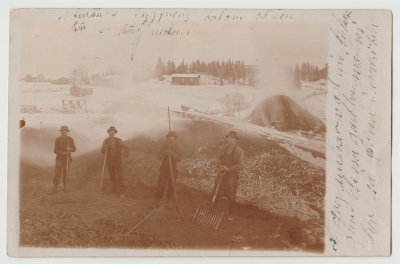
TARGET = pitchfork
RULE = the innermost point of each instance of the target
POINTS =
(206, 217)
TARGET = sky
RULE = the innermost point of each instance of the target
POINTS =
(50, 46)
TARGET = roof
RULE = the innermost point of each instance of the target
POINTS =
(81, 88)
(186, 75)
(36, 75)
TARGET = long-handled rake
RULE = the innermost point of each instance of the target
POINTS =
(159, 207)
(101, 201)
(209, 218)
(67, 170)
(147, 216)
(102, 172)
(171, 170)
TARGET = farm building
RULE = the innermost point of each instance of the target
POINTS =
(34, 78)
(165, 77)
(77, 91)
(185, 79)
(29, 109)
(61, 80)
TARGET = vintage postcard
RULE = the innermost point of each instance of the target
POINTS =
(199, 132)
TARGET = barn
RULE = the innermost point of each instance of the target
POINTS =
(185, 79)
(29, 109)
(77, 91)
(34, 78)
(61, 80)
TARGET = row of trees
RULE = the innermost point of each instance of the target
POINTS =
(80, 75)
(230, 70)
(309, 72)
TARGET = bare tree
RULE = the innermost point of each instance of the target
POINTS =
(235, 103)
(79, 75)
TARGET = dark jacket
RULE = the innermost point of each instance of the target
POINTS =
(175, 154)
(115, 146)
(234, 160)
(61, 144)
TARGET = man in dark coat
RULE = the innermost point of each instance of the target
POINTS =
(230, 162)
(113, 147)
(169, 156)
(63, 147)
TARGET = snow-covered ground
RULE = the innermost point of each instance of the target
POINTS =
(312, 96)
(142, 107)
(134, 108)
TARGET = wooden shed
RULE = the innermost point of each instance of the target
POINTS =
(77, 91)
(185, 79)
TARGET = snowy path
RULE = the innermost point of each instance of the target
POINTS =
(273, 134)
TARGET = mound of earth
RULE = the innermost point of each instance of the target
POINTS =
(283, 113)
(281, 198)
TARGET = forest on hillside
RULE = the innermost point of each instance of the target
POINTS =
(230, 71)
(236, 71)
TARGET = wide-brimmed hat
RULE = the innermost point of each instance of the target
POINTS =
(112, 128)
(171, 134)
(232, 134)
(64, 128)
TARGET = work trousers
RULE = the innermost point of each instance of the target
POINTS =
(61, 170)
(228, 188)
(115, 172)
(165, 181)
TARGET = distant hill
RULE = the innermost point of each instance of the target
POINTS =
(283, 113)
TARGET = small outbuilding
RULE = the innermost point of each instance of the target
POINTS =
(61, 80)
(77, 91)
(29, 109)
(185, 79)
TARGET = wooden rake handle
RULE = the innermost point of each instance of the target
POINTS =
(214, 198)
(141, 221)
(102, 172)
(173, 180)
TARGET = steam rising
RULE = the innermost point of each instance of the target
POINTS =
(132, 99)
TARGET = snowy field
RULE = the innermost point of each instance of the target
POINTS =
(141, 108)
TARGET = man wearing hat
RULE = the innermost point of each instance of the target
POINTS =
(63, 147)
(113, 146)
(164, 184)
(230, 162)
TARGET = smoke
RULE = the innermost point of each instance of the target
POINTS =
(89, 130)
(37, 145)
(280, 48)
(275, 78)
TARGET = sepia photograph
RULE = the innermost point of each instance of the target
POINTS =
(172, 129)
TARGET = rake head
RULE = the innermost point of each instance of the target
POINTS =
(207, 218)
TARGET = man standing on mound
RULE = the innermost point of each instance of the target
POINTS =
(169, 156)
(230, 162)
(63, 147)
(113, 147)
